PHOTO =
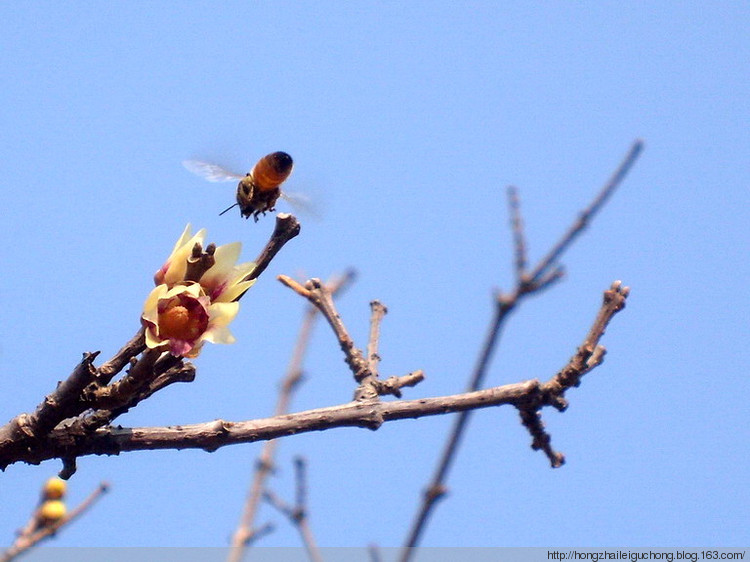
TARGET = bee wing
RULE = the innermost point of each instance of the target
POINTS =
(302, 204)
(210, 172)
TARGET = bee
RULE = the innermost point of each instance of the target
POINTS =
(258, 190)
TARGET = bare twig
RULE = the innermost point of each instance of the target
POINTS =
(297, 514)
(584, 218)
(264, 466)
(393, 385)
(107, 371)
(287, 227)
(370, 387)
(26, 541)
(317, 293)
(378, 312)
(546, 273)
(89, 421)
(588, 356)
(519, 236)
(121, 392)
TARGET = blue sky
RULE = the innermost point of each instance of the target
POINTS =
(406, 121)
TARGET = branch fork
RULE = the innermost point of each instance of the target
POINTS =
(364, 369)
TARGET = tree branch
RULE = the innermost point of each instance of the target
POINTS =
(546, 273)
(371, 414)
(245, 531)
(364, 369)
(212, 435)
(320, 297)
(58, 405)
(287, 227)
(378, 311)
(27, 540)
(585, 217)
(297, 514)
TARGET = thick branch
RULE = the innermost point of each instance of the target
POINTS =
(215, 434)
(58, 405)
(89, 389)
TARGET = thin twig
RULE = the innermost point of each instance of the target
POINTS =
(585, 217)
(393, 385)
(370, 386)
(287, 227)
(378, 310)
(545, 274)
(27, 540)
(107, 371)
(297, 514)
(264, 466)
(588, 356)
(317, 293)
(519, 236)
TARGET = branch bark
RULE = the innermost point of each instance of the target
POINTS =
(212, 435)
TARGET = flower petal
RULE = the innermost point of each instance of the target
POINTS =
(235, 291)
(219, 334)
(222, 313)
(173, 270)
(151, 341)
(225, 257)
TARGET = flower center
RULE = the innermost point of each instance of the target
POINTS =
(177, 322)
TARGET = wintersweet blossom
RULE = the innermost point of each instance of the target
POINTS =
(180, 319)
(222, 282)
(181, 314)
(173, 270)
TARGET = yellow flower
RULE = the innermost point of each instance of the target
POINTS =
(173, 270)
(54, 488)
(51, 511)
(182, 318)
(222, 282)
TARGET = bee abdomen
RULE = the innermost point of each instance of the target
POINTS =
(271, 171)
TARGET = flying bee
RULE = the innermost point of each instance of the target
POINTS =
(258, 190)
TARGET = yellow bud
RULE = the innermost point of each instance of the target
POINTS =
(54, 488)
(51, 511)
